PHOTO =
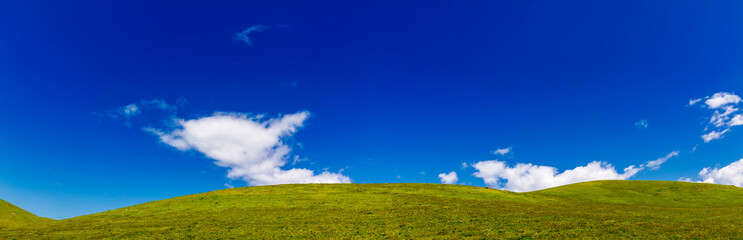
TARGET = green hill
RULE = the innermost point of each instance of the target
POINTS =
(13, 217)
(602, 209)
(651, 193)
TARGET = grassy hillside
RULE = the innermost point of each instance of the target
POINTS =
(651, 193)
(603, 209)
(13, 217)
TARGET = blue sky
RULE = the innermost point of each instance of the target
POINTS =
(360, 92)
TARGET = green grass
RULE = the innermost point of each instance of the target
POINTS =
(14, 217)
(601, 209)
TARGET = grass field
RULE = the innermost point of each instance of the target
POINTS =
(14, 217)
(601, 209)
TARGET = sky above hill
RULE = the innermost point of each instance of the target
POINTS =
(106, 105)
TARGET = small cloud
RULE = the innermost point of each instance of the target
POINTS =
(244, 35)
(684, 179)
(502, 151)
(449, 178)
(694, 101)
(134, 109)
(158, 104)
(228, 185)
(642, 123)
(129, 110)
(655, 164)
(714, 135)
(296, 159)
(736, 121)
(125, 112)
(464, 165)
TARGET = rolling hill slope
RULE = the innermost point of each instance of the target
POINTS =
(13, 217)
(602, 209)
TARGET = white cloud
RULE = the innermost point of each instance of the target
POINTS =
(720, 99)
(130, 110)
(528, 177)
(713, 135)
(729, 175)
(721, 121)
(464, 165)
(502, 151)
(642, 123)
(126, 112)
(253, 148)
(449, 178)
(694, 101)
(655, 164)
(244, 35)
(296, 159)
(684, 179)
(736, 120)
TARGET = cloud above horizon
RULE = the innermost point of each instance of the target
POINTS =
(725, 114)
(732, 174)
(449, 178)
(253, 148)
(524, 177)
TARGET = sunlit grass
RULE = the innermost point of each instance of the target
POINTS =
(602, 209)
(14, 217)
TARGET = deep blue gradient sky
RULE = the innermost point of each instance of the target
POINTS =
(398, 92)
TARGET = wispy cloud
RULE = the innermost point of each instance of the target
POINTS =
(684, 179)
(128, 112)
(125, 112)
(158, 104)
(694, 101)
(502, 151)
(244, 35)
(725, 114)
(253, 148)
(655, 164)
(642, 123)
(707, 137)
